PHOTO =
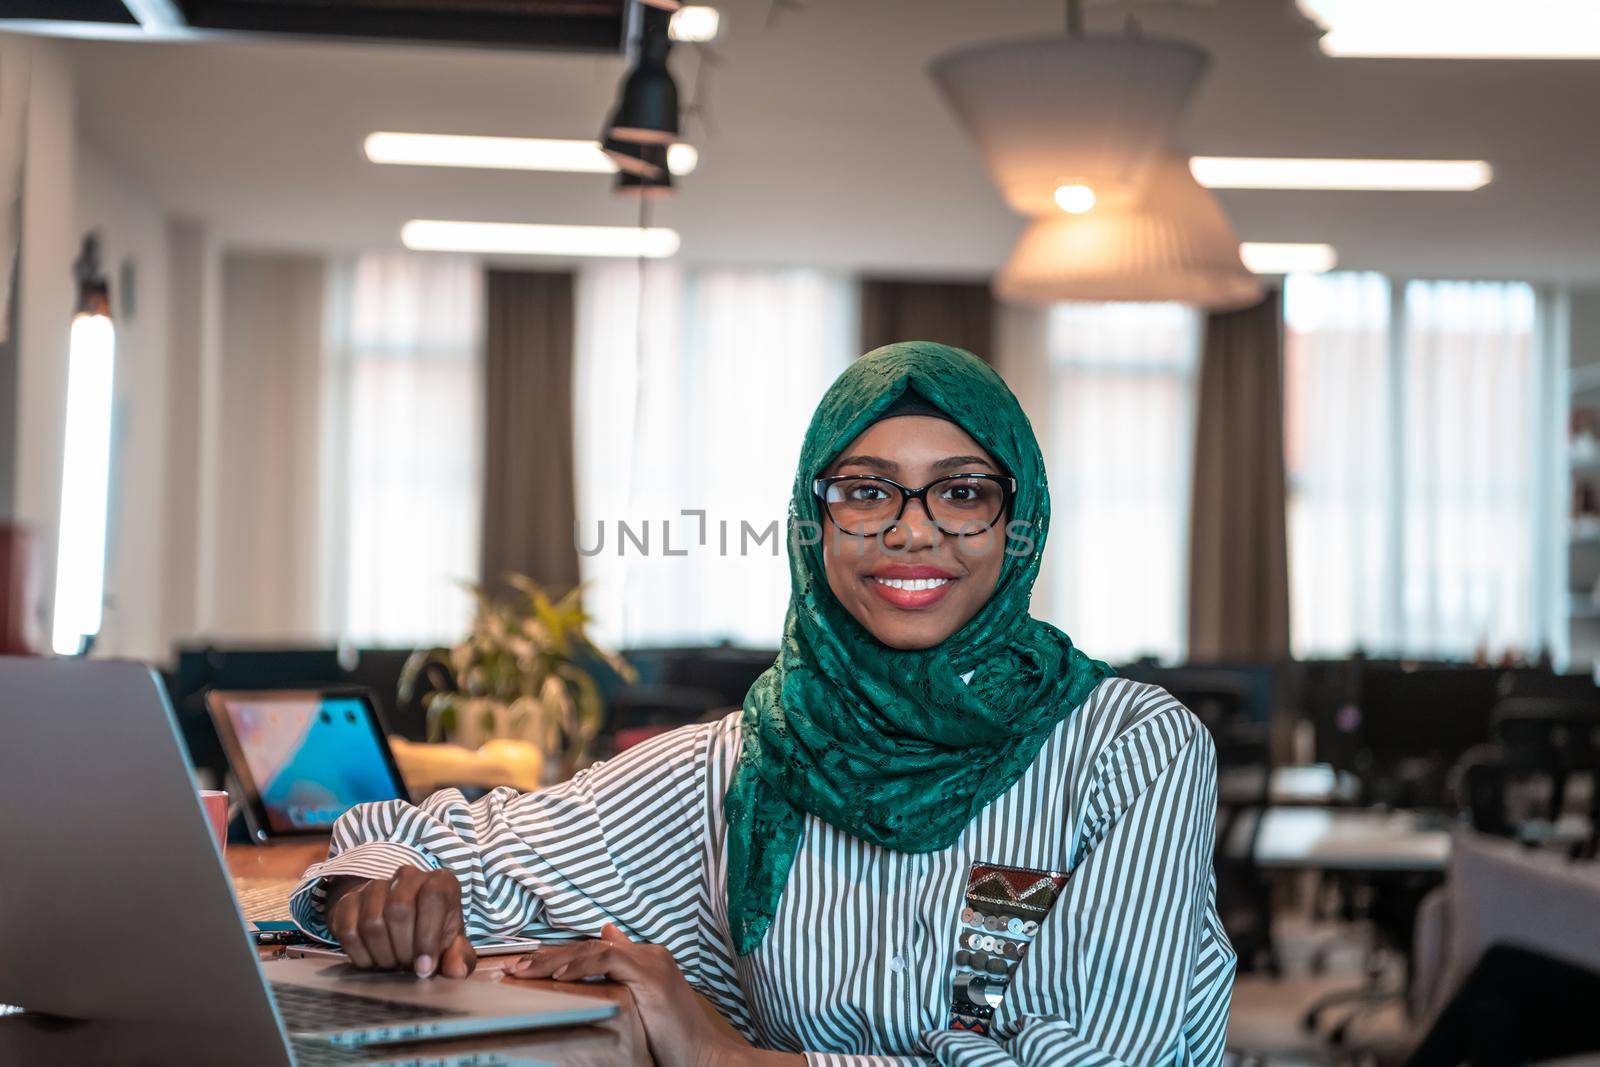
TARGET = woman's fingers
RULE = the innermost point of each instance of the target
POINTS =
(344, 922)
(411, 919)
(546, 962)
(438, 914)
(585, 959)
(400, 913)
(458, 960)
(374, 927)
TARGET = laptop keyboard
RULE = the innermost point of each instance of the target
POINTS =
(309, 1052)
(307, 1010)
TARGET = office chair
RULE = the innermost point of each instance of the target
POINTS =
(1542, 740)
(1402, 727)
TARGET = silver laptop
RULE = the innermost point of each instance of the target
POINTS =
(115, 904)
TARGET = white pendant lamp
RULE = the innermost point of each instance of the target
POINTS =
(1091, 111)
(1175, 244)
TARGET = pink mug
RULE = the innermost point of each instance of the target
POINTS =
(215, 801)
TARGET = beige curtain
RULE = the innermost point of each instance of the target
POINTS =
(1238, 557)
(955, 313)
(529, 511)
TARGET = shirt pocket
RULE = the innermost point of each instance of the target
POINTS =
(1001, 913)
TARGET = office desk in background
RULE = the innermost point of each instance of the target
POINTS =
(1342, 839)
(617, 1042)
(1313, 784)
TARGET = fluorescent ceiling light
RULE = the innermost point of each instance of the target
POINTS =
(1458, 29)
(507, 153)
(694, 24)
(1443, 175)
(1261, 257)
(85, 480)
(533, 239)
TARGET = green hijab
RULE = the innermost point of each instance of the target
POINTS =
(891, 746)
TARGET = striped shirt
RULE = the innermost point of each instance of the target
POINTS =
(1130, 965)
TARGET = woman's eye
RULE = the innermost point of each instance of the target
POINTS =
(866, 493)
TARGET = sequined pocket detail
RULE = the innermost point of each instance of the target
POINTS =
(1000, 916)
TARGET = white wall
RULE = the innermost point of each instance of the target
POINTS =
(133, 235)
(261, 579)
(193, 304)
(46, 298)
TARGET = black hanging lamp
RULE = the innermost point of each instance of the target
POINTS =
(654, 181)
(631, 157)
(647, 112)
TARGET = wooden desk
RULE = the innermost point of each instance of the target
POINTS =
(617, 1042)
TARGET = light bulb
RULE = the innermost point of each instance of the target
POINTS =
(1074, 199)
(694, 25)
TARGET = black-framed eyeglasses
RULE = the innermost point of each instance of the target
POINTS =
(958, 505)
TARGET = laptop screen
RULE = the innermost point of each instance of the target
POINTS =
(308, 757)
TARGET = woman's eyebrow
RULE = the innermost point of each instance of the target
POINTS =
(877, 462)
(952, 462)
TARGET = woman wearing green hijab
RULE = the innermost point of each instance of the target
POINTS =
(936, 831)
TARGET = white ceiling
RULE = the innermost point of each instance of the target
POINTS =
(830, 147)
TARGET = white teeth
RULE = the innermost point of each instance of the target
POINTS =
(913, 583)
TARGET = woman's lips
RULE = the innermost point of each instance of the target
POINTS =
(910, 593)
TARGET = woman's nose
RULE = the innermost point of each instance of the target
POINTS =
(912, 531)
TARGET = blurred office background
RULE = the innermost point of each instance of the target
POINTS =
(1342, 495)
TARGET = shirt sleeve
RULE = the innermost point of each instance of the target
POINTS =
(620, 842)
(1132, 965)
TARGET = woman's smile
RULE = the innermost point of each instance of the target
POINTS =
(909, 587)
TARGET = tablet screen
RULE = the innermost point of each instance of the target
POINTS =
(307, 757)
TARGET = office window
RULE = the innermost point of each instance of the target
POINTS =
(733, 362)
(1118, 435)
(1412, 454)
(1339, 461)
(1471, 468)
(402, 418)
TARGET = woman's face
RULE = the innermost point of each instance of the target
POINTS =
(913, 585)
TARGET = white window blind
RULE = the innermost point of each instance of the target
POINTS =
(733, 362)
(402, 415)
(1413, 461)
(1110, 390)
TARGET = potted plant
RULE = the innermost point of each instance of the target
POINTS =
(517, 677)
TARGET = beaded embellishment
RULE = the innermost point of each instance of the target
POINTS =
(1001, 915)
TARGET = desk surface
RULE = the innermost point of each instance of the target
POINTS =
(1315, 784)
(1342, 839)
(618, 1042)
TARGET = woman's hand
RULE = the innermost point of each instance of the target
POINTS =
(411, 920)
(680, 1032)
